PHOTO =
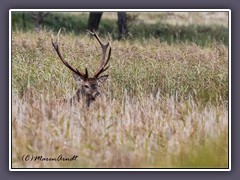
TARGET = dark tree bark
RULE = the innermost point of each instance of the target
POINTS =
(94, 20)
(122, 25)
(95, 17)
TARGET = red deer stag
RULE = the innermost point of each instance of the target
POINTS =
(88, 87)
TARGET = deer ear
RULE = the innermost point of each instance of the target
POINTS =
(77, 78)
(102, 79)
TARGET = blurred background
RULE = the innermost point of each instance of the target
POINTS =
(201, 28)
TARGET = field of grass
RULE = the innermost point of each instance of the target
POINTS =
(164, 105)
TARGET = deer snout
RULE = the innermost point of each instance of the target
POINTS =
(96, 94)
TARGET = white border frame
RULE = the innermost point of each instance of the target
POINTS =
(115, 10)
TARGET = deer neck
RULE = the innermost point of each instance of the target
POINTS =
(81, 95)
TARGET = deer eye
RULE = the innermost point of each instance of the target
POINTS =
(86, 86)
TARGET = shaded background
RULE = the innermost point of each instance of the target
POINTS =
(202, 28)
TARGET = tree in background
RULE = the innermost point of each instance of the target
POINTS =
(38, 17)
(95, 17)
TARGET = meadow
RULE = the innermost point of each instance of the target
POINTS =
(165, 104)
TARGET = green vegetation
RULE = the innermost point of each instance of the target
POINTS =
(202, 35)
(165, 104)
(53, 21)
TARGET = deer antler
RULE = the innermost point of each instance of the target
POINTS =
(75, 70)
(103, 66)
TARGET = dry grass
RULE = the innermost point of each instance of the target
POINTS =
(173, 18)
(153, 132)
(164, 105)
(186, 18)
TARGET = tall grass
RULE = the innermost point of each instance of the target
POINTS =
(163, 105)
(151, 132)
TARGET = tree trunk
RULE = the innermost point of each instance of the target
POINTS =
(95, 17)
(122, 25)
(94, 20)
(39, 18)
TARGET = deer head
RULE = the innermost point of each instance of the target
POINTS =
(88, 87)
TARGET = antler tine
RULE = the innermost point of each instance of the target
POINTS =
(104, 47)
(104, 67)
(56, 47)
